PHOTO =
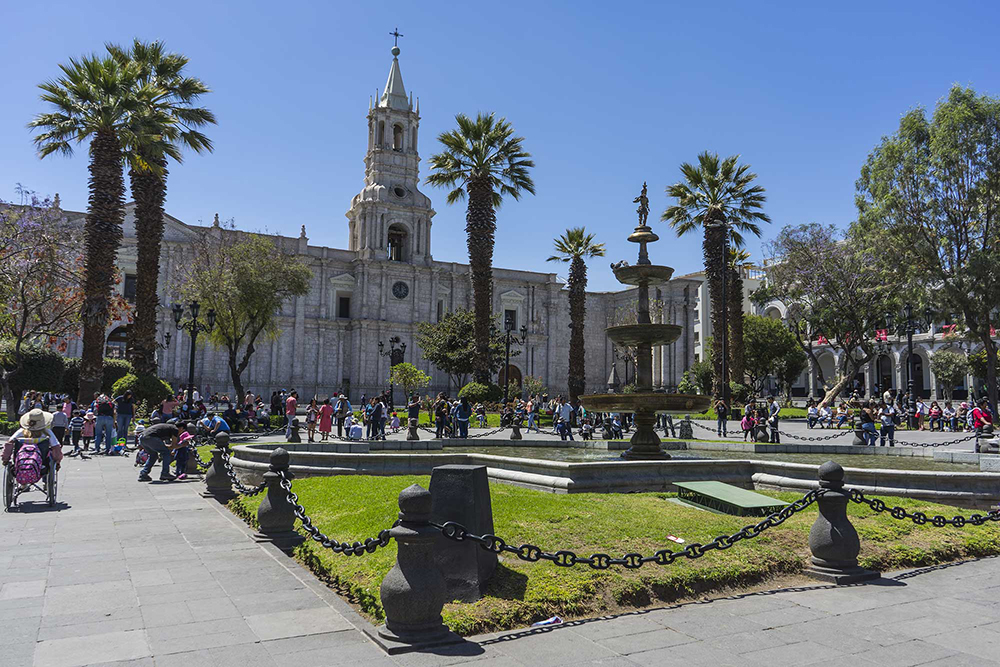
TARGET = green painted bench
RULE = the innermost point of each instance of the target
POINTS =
(728, 499)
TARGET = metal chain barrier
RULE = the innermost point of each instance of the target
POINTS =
(202, 464)
(600, 561)
(346, 548)
(478, 435)
(246, 437)
(806, 438)
(240, 486)
(878, 505)
(712, 430)
(935, 444)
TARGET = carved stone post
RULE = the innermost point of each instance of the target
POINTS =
(293, 434)
(686, 431)
(217, 482)
(411, 433)
(515, 429)
(833, 540)
(859, 437)
(276, 515)
(413, 592)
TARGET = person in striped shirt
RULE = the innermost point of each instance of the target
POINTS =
(75, 430)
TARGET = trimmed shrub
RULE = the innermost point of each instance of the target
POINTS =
(114, 370)
(42, 368)
(145, 388)
(477, 392)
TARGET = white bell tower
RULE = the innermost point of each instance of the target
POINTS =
(390, 219)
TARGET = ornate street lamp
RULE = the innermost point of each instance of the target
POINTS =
(508, 327)
(624, 357)
(910, 326)
(395, 355)
(193, 327)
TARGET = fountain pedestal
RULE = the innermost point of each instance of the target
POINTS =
(644, 403)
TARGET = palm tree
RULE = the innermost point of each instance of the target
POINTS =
(738, 260)
(172, 116)
(717, 196)
(484, 160)
(576, 246)
(96, 98)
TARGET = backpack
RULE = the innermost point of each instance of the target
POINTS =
(28, 465)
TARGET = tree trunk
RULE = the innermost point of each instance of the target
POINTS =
(713, 248)
(577, 313)
(148, 191)
(102, 236)
(236, 375)
(480, 226)
(735, 297)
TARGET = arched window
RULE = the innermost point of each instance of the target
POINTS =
(381, 133)
(117, 340)
(397, 137)
(397, 243)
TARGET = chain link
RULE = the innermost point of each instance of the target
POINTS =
(346, 548)
(878, 505)
(247, 437)
(242, 488)
(601, 561)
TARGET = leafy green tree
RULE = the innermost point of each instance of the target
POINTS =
(575, 247)
(409, 377)
(173, 116)
(484, 160)
(33, 366)
(717, 195)
(97, 99)
(790, 367)
(931, 190)
(769, 345)
(450, 346)
(950, 368)
(245, 278)
(832, 277)
(534, 386)
(702, 374)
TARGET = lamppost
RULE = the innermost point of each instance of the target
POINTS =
(393, 360)
(625, 357)
(508, 327)
(193, 327)
(910, 326)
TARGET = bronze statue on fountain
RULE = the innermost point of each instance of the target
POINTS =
(644, 403)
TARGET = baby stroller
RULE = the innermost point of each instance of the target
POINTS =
(30, 467)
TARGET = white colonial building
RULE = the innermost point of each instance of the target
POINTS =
(387, 281)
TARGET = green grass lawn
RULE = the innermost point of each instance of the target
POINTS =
(353, 507)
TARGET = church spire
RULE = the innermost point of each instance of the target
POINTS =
(394, 95)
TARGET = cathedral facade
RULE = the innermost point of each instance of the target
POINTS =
(386, 282)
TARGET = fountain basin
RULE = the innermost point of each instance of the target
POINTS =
(647, 273)
(633, 335)
(646, 402)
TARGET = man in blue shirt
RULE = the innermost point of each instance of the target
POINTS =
(212, 423)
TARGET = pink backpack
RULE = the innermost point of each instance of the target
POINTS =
(28, 465)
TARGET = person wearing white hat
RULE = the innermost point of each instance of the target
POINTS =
(35, 424)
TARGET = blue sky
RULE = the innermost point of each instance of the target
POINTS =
(606, 95)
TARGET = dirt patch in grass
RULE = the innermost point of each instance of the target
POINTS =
(354, 507)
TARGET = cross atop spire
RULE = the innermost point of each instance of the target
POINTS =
(395, 35)
(394, 95)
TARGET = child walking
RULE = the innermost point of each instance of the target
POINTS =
(87, 433)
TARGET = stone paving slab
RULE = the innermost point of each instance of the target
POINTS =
(166, 577)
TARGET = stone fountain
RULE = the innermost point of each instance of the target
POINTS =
(644, 403)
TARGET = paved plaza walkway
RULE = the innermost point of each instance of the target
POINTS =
(123, 573)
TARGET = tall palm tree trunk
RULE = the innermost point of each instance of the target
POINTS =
(103, 234)
(480, 225)
(734, 294)
(715, 271)
(149, 191)
(577, 313)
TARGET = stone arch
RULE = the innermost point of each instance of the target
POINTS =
(116, 343)
(398, 242)
(397, 137)
(922, 374)
(773, 312)
(511, 371)
(827, 362)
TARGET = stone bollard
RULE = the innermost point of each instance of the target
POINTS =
(217, 482)
(686, 431)
(859, 437)
(833, 540)
(461, 493)
(411, 433)
(515, 429)
(414, 591)
(293, 433)
(276, 515)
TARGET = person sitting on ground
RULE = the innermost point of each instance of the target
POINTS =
(159, 441)
(213, 424)
(935, 415)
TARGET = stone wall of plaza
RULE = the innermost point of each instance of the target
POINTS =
(322, 348)
(888, 369)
